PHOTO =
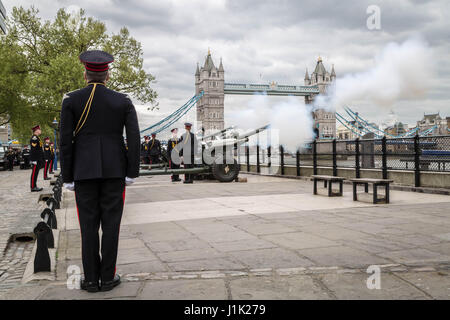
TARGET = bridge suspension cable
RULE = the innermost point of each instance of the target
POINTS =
(173, 117)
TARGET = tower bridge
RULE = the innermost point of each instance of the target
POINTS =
(211, 81)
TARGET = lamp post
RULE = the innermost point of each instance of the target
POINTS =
(55, 160)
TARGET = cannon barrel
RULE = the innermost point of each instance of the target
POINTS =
(253, 132)
(218, 133)
(173, 171)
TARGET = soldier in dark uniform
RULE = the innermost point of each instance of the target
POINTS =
(26, 157)
(145, 150)
(36, 157)
(10, 156)
(52, 157)
(97, 166)
(154, 149)
(189, 151)
(172, 145)
(47, 157)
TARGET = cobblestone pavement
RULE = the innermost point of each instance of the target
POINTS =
(19, 208)
(13, 264)
(269, 238)
(19, 214)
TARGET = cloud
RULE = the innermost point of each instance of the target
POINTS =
(264, 41)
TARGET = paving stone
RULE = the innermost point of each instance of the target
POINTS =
(299, 240)
(354, 287)
(139, 267)
(272, 258)
(135, 255)
(415, 256)
(125, 289)
(206, 264)
(300, 287)
(188, 255)
(341, 256)
(201, 289)
(435, 284)
(242, 245)
(177, 245)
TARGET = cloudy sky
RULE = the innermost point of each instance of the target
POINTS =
(264, 41)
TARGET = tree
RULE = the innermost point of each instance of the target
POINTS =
(40, 63)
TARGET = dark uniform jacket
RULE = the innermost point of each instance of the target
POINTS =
(36, 152)
(188, 146)
(47, 152)
(154, 147)
(98, 150)
(145, 148)
(171, 144)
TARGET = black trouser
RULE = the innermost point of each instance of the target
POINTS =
(146, 160)
(50, 166)
(34, 175)
(100, 203)
(174, 166)
(46, 169)
(154, 159)
(189, 176)
(11, 164)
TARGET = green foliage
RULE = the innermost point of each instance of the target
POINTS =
(40, 62)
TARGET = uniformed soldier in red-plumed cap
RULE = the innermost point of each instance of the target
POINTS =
(36, 157)
(97, 166)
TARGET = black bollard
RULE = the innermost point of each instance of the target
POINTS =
(42, 257)
(49, 217)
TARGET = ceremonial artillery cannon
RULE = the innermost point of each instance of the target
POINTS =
(217, 158)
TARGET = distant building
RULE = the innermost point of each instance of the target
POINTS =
(210, 108)
(434, 120)
(324, 121)
(2, 18)
(5, 133)
(397, 129)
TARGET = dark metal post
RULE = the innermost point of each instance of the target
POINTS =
(258, 166)
(269, 156)
(357, 162)
(384, 157)
(334, 159)
(297, 162)
(417, 161)
(315, 157)
(247, 154)
(282, 159)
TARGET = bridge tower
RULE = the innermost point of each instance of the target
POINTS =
(210, 108)
(324, 121)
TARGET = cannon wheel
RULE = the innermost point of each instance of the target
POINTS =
(225, 172)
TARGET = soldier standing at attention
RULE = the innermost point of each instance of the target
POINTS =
(52, 158)
(145, 151)
(172, 145)
(96, 165)
(154, 149)
(47, 157)
(10, 156)
(190, 145)
(36, 157)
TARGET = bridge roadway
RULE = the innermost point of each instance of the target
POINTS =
(268, 238)
(270, 89)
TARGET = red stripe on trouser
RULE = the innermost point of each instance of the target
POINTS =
(32, 176)
(45, 169)
(123, 198)
(50, 166)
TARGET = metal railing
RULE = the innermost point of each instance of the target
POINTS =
(416, 154)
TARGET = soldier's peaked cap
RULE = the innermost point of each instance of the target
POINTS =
(96, 60)
(173, 129)
(188, 124)
(36, 128)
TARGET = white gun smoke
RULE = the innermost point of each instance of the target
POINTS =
(401, 71)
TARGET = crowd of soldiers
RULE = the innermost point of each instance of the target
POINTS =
(151, 151)
(41, 156)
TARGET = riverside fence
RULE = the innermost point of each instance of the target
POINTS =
(417, 155)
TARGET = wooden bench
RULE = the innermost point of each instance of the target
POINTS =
(375, 183)
(328, 181)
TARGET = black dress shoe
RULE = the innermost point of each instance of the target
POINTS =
(188, 182)
(89, 286)
(36, 189)
(109, 285)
